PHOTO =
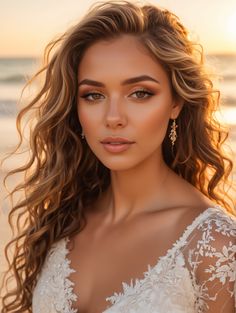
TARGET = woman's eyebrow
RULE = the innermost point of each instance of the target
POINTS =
(128, 81)
(139, 79)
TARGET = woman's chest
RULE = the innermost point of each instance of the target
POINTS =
(104, 262)
(166, 287)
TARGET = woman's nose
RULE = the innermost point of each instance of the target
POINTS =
(115, 115)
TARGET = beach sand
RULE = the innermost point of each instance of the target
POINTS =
(8, 138)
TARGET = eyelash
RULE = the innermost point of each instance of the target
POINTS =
(144, 91)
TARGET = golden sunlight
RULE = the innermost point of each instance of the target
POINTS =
(227, 115)
(231, 26)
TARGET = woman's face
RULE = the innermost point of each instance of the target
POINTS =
(124, 92)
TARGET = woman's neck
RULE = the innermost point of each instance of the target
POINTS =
(136, 190)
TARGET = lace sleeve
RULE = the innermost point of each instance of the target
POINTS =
(212, 264)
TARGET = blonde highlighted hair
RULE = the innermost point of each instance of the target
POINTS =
(63, 176)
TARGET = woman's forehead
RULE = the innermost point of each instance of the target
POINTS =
(124, 56)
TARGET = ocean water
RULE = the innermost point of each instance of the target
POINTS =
(15, 71)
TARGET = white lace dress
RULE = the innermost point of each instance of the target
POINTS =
(198, 274)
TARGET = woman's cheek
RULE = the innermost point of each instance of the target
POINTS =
(156, 122)
(87, 118)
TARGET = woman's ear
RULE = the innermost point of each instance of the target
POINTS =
(176, 108)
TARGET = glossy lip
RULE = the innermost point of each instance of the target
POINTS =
(108, 140)
(117, 147)
(121, 145)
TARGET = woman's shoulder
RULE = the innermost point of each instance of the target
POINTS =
(216, 218)
(219, 228)
(210, 252)
(212, 242)
(200, 209)
(214, 224)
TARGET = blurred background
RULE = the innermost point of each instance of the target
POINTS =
(27, 26)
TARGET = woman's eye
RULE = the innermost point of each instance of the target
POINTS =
(141, 94)
(92, 96)
(138, 94)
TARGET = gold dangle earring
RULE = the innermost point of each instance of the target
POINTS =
(82, 134)
(173, 133)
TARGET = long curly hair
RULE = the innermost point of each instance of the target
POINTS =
(63, 177)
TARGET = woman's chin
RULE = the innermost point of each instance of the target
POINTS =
(119, 165)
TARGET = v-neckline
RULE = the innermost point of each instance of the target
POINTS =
(130, 287)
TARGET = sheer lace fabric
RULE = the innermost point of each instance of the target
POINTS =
(198, 274)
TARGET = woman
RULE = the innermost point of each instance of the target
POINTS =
(127, 175)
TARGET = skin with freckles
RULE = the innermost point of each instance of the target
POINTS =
(124, 92)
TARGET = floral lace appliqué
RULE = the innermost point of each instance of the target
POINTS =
(54, 291)
(214, 255)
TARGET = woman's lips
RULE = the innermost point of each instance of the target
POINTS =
(116, 144)
(116, 147)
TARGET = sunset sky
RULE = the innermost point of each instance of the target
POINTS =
(27, 25)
